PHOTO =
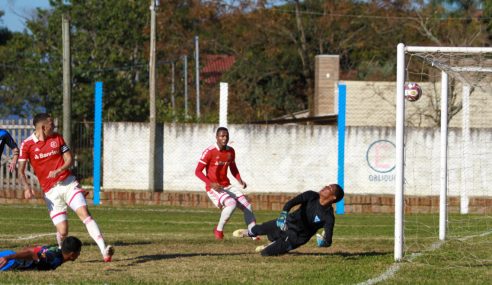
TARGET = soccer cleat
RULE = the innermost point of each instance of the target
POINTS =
(108, 253)
(242, 233)
(219, 235)
(261, 248)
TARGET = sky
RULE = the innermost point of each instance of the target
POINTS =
(17, 10)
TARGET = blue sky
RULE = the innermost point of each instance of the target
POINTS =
(17, 10)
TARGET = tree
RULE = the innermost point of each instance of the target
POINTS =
(108, 44)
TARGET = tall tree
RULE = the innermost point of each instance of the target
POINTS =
(108, 44)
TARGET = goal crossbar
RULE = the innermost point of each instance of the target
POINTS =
(448, 49)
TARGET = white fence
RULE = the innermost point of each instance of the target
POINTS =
(273, 158)
(19, 130)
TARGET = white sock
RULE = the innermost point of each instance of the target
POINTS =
(227, 210)
(59, 239)
(249, 217)
(95, 234)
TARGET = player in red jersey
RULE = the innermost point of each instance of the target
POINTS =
(216, 160)
(51, 159)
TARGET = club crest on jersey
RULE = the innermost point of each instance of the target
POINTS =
(316, 219)
(53, 144)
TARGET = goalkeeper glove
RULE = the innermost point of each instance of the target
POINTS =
(320, 240)
(282, 221)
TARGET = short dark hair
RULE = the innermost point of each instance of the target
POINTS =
(40, 117)
(338, 193)
(221, 129)
(71, 244)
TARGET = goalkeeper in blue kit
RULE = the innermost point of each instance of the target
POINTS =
(291, 230)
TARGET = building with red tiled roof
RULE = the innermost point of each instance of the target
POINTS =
(214, 66)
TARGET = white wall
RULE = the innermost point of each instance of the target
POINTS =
(273, 158)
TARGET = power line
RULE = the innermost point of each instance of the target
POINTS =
(95, 70)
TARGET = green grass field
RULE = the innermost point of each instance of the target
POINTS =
(176, 245)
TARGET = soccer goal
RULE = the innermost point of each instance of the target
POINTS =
(448, 164)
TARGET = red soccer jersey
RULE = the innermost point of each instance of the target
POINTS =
(44, 157)
(217, 163)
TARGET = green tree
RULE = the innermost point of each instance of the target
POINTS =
(107, 44)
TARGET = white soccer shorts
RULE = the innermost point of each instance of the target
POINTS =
(66, 192)
(218, 198)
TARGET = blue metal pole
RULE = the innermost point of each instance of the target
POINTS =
(342, 98)
(97, 141)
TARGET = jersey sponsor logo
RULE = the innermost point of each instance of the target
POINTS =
(53, 144)
(44, 155)
(217, 163)
(317, 219)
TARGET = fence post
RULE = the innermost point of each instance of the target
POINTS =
(342, 94)
(97, 141)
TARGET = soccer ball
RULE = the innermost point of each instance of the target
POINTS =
(412, 91)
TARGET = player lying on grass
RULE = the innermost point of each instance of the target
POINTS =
(291, 230)
(41, 257)
(216, 160)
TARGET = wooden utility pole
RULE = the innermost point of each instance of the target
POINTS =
(197, 73)
(67, 81)
(152, 117)
(173, 90)
(185, 80)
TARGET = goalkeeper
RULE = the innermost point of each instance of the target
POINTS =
(291, 230)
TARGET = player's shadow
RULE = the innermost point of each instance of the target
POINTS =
(125, 243)
(155, 257)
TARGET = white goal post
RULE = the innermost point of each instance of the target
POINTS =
(461, 73)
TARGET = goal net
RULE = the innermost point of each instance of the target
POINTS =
(444, 150)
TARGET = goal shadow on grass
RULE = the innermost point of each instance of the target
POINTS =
(352, 255)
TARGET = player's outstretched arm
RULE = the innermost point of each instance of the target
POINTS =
(15, 157)
(28, 192)
(299, 199)
(25, 254)
(235, 173)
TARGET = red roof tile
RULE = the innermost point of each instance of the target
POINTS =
(215, 65)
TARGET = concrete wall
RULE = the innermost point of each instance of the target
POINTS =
(287, 159)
